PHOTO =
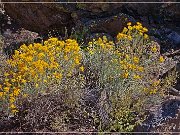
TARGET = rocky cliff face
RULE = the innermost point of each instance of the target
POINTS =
(45, 16)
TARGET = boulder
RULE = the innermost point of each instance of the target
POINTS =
(111, 25)
(174, 37)
(39, 17)
(13, 40)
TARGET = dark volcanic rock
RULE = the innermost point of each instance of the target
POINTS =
(175, 38)
(39, 17)
(164, 118)
(111, 25)
(43, 16)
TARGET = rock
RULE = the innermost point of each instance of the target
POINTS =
(111, 25)
(54, 15)
(98, 7)
(174, 37)
(39, 17)
(144, 9)
(169, 114)
(13, 40)
(171, 13)
(42, 17)
(163, 115)
(108, 26)
(22, 35)
(168, 38)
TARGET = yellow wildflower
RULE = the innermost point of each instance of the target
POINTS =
(41, 55)
(6, 74)
(124, 66)
(6, 89)
(6, 80)
(161, 59)
(124, 30)
(12, 99)
(130, 27)
(82, 68)
(127, 57)
(145, 90)
(23, 47)
(146, 36)
(8, 84)
(138, 23)
(16, 92)
(1, 94)
(130, 37)
(135, 59)
(145, 29)
(23, 81)
(12, 106)
(36, 85)
(105, 39)
(154, 49)
(129, 23)
(14, 111)
(120, 36)
(57, 75)
(156, 83)
(125, 75)
(66, 57)
(140, 33)
(134, 67)
(76, 60)
(13, 80)
(153, 91)
(141, 69)
(45, 81)
(137, 77)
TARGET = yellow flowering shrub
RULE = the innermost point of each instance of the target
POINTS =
(140, 58)
(128, 71)
(34, 67)
(125, 73)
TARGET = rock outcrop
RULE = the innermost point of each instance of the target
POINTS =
(42, 17)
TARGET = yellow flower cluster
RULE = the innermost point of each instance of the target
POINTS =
(10, 89)
(133, 55)
(130, 66)
(153, 89)
(102, 44)
(130, 53)
(154, 49)
(130, 32)
(36, 64)
(161, 59)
